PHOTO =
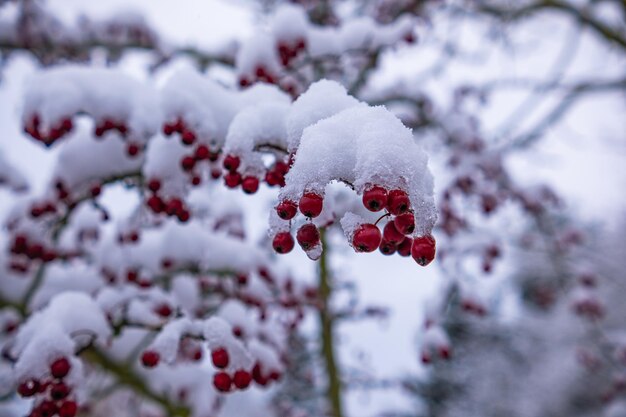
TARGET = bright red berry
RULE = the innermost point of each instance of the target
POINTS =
(60, 368)
(286, 209)
(311, 204)
(163, 310)
(242, 379)
(398, 202)
(150, 358)
(220, 358)
(231, 162)
(283, 242)
(188, 137)
(366, 238)
(28, 388)
(188, 163)
(232, 179)
(250, 184)
(222, 381)
(202, 152)
(132, 149)
(405, 223)
(68, 409)
(404, 248)
(375, 198)
(308, 236)
(391, 234)
(423, 250)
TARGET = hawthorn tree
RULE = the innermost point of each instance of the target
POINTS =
(169, 309)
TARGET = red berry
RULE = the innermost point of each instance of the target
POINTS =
(231, 162)
(150, 358)
(308, 236)
(311, 204)
(163, 310)
(60, 368)
(156, 204)
(28, 388)
(366, 238)
(47, 409)
(273, 178)
(132, 149)
(283, 242)
(168, 129)
(202, 152)
(59, 390)
(405, 223)
(398, 202)
(286, 209)
(258, 376)
(391, 234)
(387, 248)
(423, 250)
(68, 409)
(95, 190)
(220, 358)
(188, 163)
(232, 179)
(188, 137)
(250, 185)
(404, 248)
(154, 185)
(242, 379)
(222, 381)
(375, 198)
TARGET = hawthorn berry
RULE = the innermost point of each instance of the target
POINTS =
(150, 358)
(60, 368)
(232, 179)
(375, 198)
(405, 223)
(423, 250)
(231, 162)
(188, 163)
(188, 137)
(286, 209)
(154, 185)
(283, 242)
(59, 390)
(163, 310)
(258, 376)
(391, 234)
(220, 358)
(398, 202)
(308, 236)
(28, 388)
(47, 408)
(242, 379)
(202, 152)
(68, 409)
(311, 204)
(132, 149)
(366, 238)
(222, 381)
(404, 248)
(250, 184)
(387, 248)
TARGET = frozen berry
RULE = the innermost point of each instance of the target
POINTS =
(286, 209)
(250, 185)
(150, 358)
(188, 163)
(387, 248)
(59, 390)
(311, 204)
(391, 234)
(202, 153)
(283, 242)
(60, 368)
(423, 250)
(28, 388)
(231, 162)
(68, 409)
(232, 179)
(404, 248)
(188, 137)
(375, 198)
(366, 238)
(405, 223)
(220, 358)
(222, 381)
(242, 379)
(308, 236)
(398, 202)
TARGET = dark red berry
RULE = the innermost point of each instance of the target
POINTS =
(387, 248)
(366, 238)
(232, 179)
(308, 236)
(47, 409)
(154, 185)
(242, 379)
(423, 250)
(220, 358)
(391, 234)
(231, 162)
(188, 163)
(59, 390)
(60, 368)
(405, 223)
(404, 248)
(188, 137)
(283, 242)
(202, 152)
(258, 376)
(28, 388)
(163, 310)
(311, 204)
(250, 185)
(222, 381)
(150, 358)
(375, 198)
(156, 204)
(168, 129)
(68, 409)
(398, 202)
(286, 209)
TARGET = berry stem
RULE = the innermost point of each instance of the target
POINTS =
(381, 217)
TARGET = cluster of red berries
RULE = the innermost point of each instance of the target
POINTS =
(172, 207)
(589, 307)
(444, 352)
(32, 250)
(261, 74)
(110, 124)
(233, 178)
(53, 393)
(57, 131)
(367, 237)
(473, 307)
(289, 51)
